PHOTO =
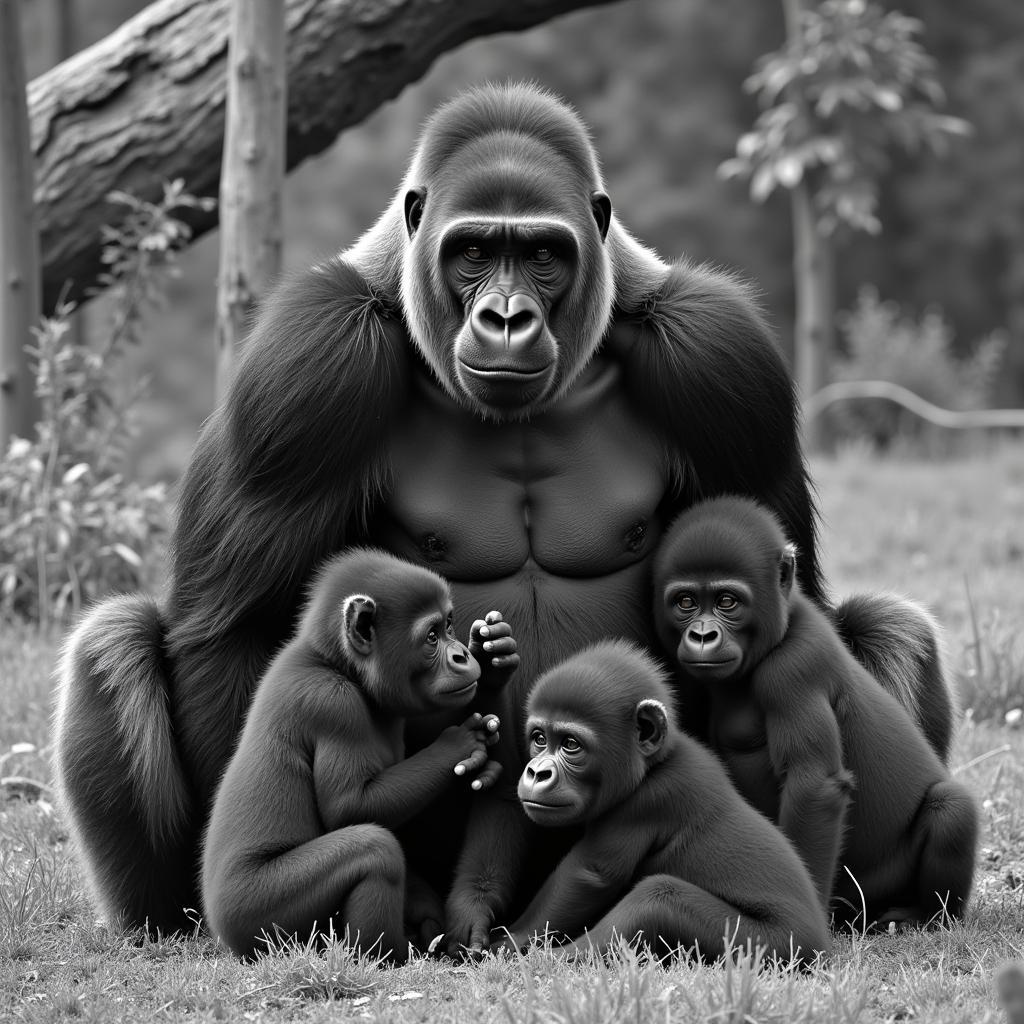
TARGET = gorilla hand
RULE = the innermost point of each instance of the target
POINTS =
(483, 733)
(492, 644)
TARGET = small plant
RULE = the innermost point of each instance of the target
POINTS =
(71, 527)
(883, 344)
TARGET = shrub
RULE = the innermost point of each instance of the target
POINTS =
(882, 344)
(71, 527)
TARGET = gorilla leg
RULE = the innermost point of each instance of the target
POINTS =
(119, 782)
(949, 825)
(900, 644)
(670, 913)
(352, 879)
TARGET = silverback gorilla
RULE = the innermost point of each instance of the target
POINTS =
(497, 381)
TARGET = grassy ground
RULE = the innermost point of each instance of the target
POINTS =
(949, 534)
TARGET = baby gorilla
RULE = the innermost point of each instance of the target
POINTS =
(300, 837)
(809, 737)
(670, 853)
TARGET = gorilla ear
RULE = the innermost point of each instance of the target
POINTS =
(787, 568)
(414, 201)
(602, 207)
(651, 726)
(358, 614)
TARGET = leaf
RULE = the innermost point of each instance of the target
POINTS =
(75, 473)
(762, 184)
(888, 99)
(127, 554)
(789, 170)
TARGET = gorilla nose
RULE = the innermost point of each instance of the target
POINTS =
(705, 637)
(507, 322)
(460, 658)
(540, 774)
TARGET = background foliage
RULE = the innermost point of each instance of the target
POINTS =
(660, 82)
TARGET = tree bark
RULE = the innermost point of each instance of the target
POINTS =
(813, 273)
(252, 180)
(148, 102)
(19, 243)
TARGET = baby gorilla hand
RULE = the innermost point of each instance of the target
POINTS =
(492, 644)
(482, 733)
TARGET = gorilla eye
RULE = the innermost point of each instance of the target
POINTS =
(538, 739)
(474, 253)
(542, 256)
(571, 745)
(726, 602)
(686, 603)
(432, 637)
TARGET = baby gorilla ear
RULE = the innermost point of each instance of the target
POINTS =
(651, 726)
(414, 200)
(357, 616)
(787, 568)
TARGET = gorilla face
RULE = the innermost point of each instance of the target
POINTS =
(507, 283)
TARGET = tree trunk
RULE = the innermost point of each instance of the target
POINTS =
(147, 103)
(815, 300)
(813, 272)
(252, 180)
(19, 243)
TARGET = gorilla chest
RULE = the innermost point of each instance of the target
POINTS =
(737, 733)
(574, 492)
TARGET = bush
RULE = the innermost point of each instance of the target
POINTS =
(71, 527)
(882, 344)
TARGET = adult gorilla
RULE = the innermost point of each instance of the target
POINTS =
(496, 381)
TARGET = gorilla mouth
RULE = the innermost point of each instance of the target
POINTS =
(501, 374)
(458, 691)
(535, 805)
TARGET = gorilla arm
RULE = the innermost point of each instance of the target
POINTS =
(805, 747)
(280, 478)
(699, 358)
(493, 853)
(399, 792)
(588, 880)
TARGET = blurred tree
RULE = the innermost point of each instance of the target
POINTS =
(147, 103)
(19, 243)
(252, 178)
(851, 83)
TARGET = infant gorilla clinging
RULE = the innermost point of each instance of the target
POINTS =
(300, 836)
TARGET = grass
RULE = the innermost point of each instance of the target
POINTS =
(948, 534)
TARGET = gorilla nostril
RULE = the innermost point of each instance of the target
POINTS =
(520, 321)
(493, 319)
(460, 658)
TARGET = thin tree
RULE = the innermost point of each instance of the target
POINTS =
(252, 172)
(20, 281)
(851, 83)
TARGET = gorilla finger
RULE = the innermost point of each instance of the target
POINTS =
(472, 764)
(497, 631)
(494, 616)
(488, 776)
(491, 723)
(475, 721)
(506, 645)
(510, 661)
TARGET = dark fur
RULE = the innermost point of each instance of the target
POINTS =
(295, 466)
(807, 734)
(670, 852)
(299, 839)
